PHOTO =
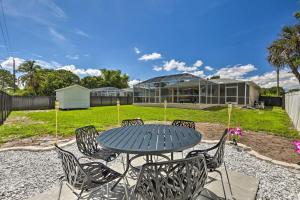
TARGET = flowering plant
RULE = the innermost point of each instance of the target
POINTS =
(235, 134)
(297, 146)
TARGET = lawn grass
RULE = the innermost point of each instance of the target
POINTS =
(23, 124)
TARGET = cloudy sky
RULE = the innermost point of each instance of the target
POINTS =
(146, 38)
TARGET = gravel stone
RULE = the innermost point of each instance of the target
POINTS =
(24, 174)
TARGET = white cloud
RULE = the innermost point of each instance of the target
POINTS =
(208, 68)
(198, 63)
(82, 33)
(136, 50)
(37, 55)
(8, 63)
(72, 57)
(287, 80)
(236, 71)
(176, 65)
(198, 73)
(152, 56)
(133, 82)
(157, 68)
(56, 34)
(80, 71)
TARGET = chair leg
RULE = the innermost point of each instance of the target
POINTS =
(228, 181)
(60, 188)
(222, 183)
(79, 195)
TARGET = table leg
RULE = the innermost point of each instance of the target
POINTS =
(124, 174)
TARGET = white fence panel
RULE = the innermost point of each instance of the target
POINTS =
(292, 107)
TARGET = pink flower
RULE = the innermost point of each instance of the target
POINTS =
(297, 146)
(235, 131)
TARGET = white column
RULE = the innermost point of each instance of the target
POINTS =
(219, 93)
(199, 91)
(159, 93)
(245, 100)
(172, 95)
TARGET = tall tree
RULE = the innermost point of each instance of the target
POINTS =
(31, 76)
(285, 51)
(114, 78)
(56, 79)
(6, 80)
(92, 82)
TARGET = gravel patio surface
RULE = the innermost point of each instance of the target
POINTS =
(24, 174)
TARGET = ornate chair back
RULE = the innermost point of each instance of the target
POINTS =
(74, 174)
(218, 157)
(86, 140)
(184, 123)
(132, 122)
(172, 180)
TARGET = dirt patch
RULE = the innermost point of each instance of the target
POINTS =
(21, 120)
(44, 141)
(275, 147)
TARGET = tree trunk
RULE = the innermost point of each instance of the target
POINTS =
(296, 73)
(277, 71)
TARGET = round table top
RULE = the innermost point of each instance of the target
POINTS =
(149, 139)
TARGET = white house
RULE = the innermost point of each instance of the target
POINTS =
(73, 97)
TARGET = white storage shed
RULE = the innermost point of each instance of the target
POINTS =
(73, 97)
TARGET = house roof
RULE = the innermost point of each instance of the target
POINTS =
(72, 86)
(228, 81)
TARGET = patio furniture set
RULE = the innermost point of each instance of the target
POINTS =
(183, 178)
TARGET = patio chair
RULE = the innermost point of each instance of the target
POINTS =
(132, 122)
(86, 177)
(87, 144)
(215, 161)
(183, 123)
(172, 180)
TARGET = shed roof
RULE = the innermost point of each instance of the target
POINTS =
(72, 86)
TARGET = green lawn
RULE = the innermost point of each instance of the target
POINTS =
(25, 124)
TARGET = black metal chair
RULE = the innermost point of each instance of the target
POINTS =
(184, 123)
(87, 144)
(215, 161)
(86, 177)
(132, 122)
(172, 180)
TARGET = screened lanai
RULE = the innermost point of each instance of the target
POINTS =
(187, 88)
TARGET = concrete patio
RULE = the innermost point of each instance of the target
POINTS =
(244, 188)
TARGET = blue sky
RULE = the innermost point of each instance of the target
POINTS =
(149, 38)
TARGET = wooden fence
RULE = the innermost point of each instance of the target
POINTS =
(5, 106)
(271, 101)
(292, 107)
(110, 100)
(32, 102)
(47, 102)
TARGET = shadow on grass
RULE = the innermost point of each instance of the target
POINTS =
(215, 108)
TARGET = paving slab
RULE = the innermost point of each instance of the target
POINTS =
(244, 188)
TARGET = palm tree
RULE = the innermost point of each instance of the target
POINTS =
(31, 75)
(285, 51)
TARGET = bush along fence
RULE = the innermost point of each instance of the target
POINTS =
(5, 106)
(292, 107)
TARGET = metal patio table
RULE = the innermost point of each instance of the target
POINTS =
(147, 140)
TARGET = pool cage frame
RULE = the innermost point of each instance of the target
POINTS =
(184, 88)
